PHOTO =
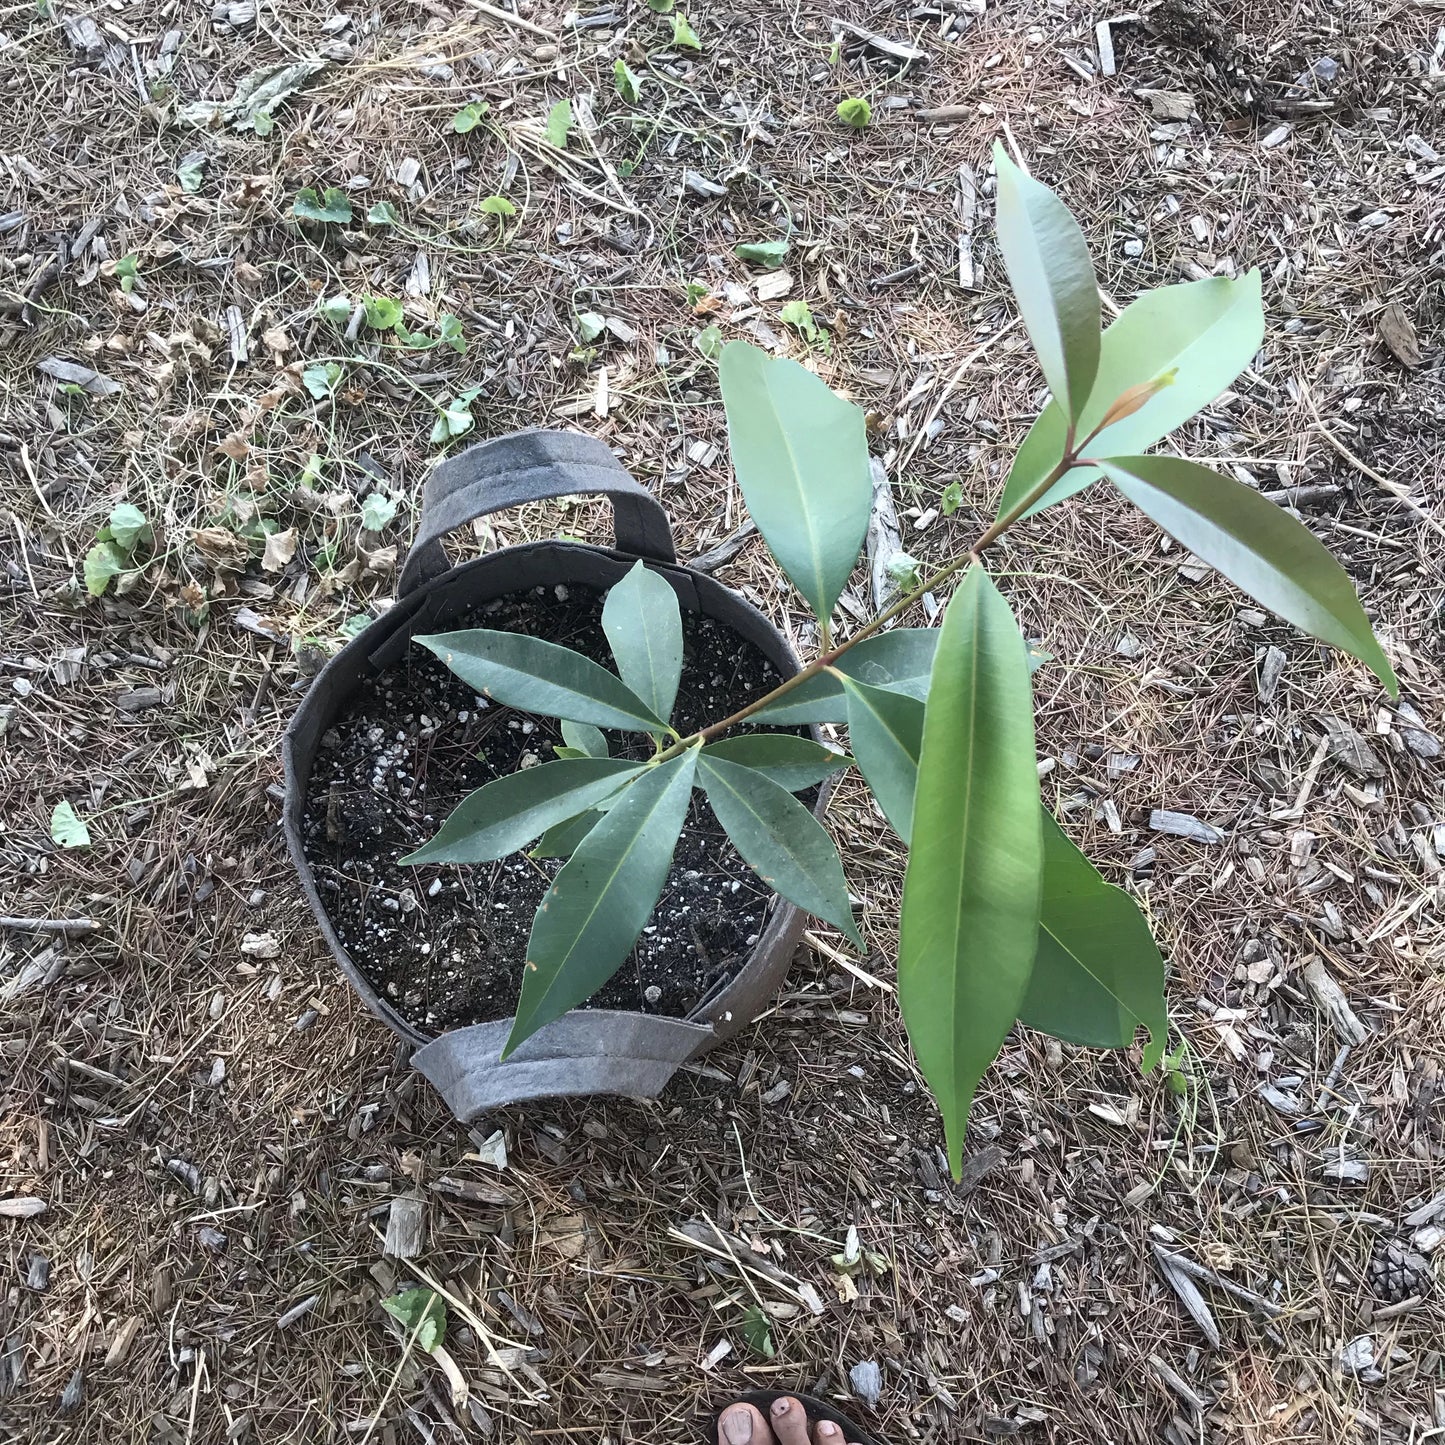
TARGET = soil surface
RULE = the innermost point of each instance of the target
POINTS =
(446, 944)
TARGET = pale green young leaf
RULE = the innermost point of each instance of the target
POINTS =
(541, 677)
(497, 206)
(800, 454)
(587, 739)
(794, 763)
(509, 812)
(970, 916)
(378, 511)
(885, 731)
(332, 206)
(382, 312)
(469, 117)
(1258, 546)
(103, 562)
(603, 896)
(683, 34)
(1053, 282)
(335, 309)
(67, 827)
(382, 213)
(762, 253)
(1098, 974)
(1204, 331)
(643, 623)
(128, 526)
(423, 1315)
(780, 840)
(559, 124)
(855, 112)
(628, 86)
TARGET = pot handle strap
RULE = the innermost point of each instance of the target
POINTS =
(528, 466)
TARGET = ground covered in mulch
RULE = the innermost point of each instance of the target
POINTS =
(204, 1142)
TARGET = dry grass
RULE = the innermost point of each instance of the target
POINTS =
(217, 1135)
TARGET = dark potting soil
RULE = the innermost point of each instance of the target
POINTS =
(445, 944)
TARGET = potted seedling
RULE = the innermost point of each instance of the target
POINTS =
(668, 721)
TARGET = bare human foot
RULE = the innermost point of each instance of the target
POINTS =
(787, 1425)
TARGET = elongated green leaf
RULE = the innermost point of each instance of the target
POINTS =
(899, 660)
(1053, 281)
(1261, 549)
(1204, 331)
(602, 897)
(585, 739)
(561, 840)
(643, 623)
(540, 677)
(510, 811)
(885, 730)
(1097, 974)
(970, 917)
(780, 840)
(800, 453)
(792, 762)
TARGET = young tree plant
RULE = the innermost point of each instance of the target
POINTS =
(1003, 918)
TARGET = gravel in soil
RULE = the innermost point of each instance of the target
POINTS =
(446, 945)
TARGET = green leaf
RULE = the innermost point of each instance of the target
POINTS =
(970, 917)
(899, 660)
(1053, 281)
(541, 677)
(383, 213)
(855, 112)
(498, 206)
(885, 731)
(1258, 546)
(335, 309)
(103, 562)
(559, 124)
(192, 175)
(509, 812)
(800, 315)
(332, 205)
(780, 840)
(263, 123)
(709, 342)
(128, 526)
(952, 498)
(762, 253)
(1206, 331)
(603, 896)
(587, 739)
(590, 325)
(449, 327)
(662, 7)
(800, 453)
(1097, 974)
(423, 1314)
(67, 828)
(757, 1327)
(469, 117)
(683, 34)
(561, 840)
(790, 761)
(128, 267)
(382, 313)
(629, 87)
(378, 512)
(643, 623)
(320, 378)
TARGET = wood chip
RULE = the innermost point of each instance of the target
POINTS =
(1349, 749)
(405, 1228)
(1397, 331)
(124, 1338)
(74, 374)
(1105, 38)
(774, 285)
(23, 1206)
(1330, 998)
(297, 1311)
(1184, 825)
(1189, 1295)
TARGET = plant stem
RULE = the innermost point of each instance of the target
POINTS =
(826, 659)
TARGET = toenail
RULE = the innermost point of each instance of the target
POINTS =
(781, 1407)
(738, 1426)
(827, 1430)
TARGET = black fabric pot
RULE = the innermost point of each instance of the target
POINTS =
(588, 1051)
